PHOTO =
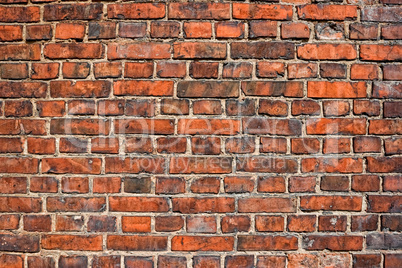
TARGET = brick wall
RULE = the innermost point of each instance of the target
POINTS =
(200, 134)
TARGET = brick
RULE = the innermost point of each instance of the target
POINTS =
(364, 223)
(266, 165)
(9, 221)
(44, 185)
(271, 185)
(38, 261)
(197, 29)
(204, 69)
(168, 223)
(302, 184)
(39, 32)
(136, 224)
(231, 29)
(165, 29)
(136, 243)
(20, 52)
(384, 164)
(18, 165)
(205, 185)
(327, 12)
(70, 31)
(391, 222)
(323, 89)
(332, 165)
(332, 223)
(102, 30)
(143, 108)
(19, 14)
(392, 72)
(344, 126)
(384, 204)
(261, 11)
(73, 51)
(391, 32)
(274, 89)
(166, 185)
(37, 223)
(204, 11)
(76, 204)
(305, 107)
(330, 31)
(191, 205)
(74, 185)
(106, 185)
(172, 261)
(138, 51)
(267, 243)
(387, 90)
(246, 261)
(45, 71)
(72, 242)
(202, 243)
(267, 204)
(107, 70)
(73, 11)
(379, 52)
(270, 69)
(302, 70)
(14, 71)
(143, 88)
(41, 146)
(11, 145)
(233, 224)
(171, 69)
(240, 145)
(332, 70)
(336, 108)
(235, 107)
(301, 223)
(201, 224)
(207, 107)
(393, 146)
(366, 107)
(73, 261)
(10, 33)
(132, 29)
(383, 241)
(199, 50)
(381, 14)
(271, 261)
(269, 223)
(366, 260)
(331, 203)
(334, 243)
(367, 144)
(364, 72)
(237, 70)
(262, 29)
(335, 183)
(20, 204)
(327, 52)
(272, 108)
(69, 223)
(360, 31)
(75, 69)
(150, 204)
(295, 31)
(131, 261)
(261, 125)
(262, 50)
(19, 243)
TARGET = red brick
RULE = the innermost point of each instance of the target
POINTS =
(336, 108)
(266, 164)
(205, 185)
(261, 11)
(168, 223)
(262, 29)
(19, 14)
(202, 243)
(335, 183)
(69, 223)
(366, 107)
(262, 50)
(380, 52)
(45, 71)
(267, 204)
(191, 205)
(76, 204)
(331, 203)
(10, 33)
(270, 69)
(39, 32)
(75, 69)
(14, 71)
(391, 32)
(204, 11)
(107, 70)
(136, 224)
(165, 29)
(332, 223)
(271, 185)
(362, 31)
(171, 69)
(231, 29)
(20, 204)
(37, 223)
(302, 184)
(44, 185)
(9, 221)
(364, 223)
(167, 185)
(266, 243)
(132, 29)
(75, 11)
(301, 223)
(295, 31)
(101, 30)
(334, 243)
(327, 52)
(72, 242)
(136, 243)
(197, 29)
(138, 51)
(70, 31)
(336, 126)
(327, 12)
(73, 51)
(232, 224)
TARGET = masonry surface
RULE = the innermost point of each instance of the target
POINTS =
(200, 134)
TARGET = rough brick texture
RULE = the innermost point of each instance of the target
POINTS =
(200, 133)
